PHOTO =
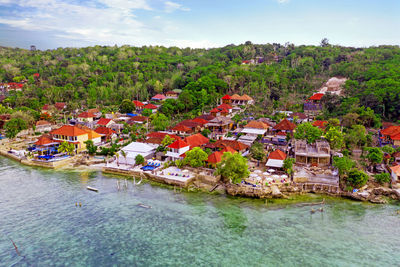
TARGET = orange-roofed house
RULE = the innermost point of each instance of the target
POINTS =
(255, 128)
(196, 140)
(46, 145)
(285, 126)
(177, 149)
(390, 135)
(242, 100)
(95, 137)
(86, 117)
(275, 159)
(43, 126)
(105, 122)
(214, 159)
(71, 134)
(228, 149)
(395, 172)
(171, 95)
(158, 97)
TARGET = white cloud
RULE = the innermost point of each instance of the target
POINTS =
(172, 6)
(283, 1)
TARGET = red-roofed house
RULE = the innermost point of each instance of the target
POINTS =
(219, 112)
(177, 149)
(275, 159)
(313, 105)
(316, 97)
(196, 140)
(105, 122)
(60, 105)
(158, 137)
(225, 106)
(214, 159)
(86, 117)
(158, 97)
(226, 99)
(106, 133)
(202, 122)
(181, 130)
(138, 119)
(285, 126)
(151, 106)
(139, 105)
(320, 124)
(391, 135)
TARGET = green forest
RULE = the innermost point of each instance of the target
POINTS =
(103, 76)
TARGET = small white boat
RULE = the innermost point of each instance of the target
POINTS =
(92, 189)
(144, 206)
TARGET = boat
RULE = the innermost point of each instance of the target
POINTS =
(144, 206)
(92, 189)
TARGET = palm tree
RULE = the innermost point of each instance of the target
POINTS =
(66, 147)
(117, 156)
(123, 153)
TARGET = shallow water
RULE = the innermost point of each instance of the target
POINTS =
(38, 212)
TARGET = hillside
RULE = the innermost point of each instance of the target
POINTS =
(276, 76)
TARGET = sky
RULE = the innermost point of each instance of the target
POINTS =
(49, 24)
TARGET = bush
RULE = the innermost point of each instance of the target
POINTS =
(382, 178)
(357, 178)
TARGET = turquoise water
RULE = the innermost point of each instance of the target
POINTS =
(38, 212)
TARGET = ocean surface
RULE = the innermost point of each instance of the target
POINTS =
(38, 213)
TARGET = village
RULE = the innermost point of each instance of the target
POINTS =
(225, 149)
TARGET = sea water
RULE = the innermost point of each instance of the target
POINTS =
(40, 213)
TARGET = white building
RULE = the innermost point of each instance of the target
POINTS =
(134, 149)
(177, 149)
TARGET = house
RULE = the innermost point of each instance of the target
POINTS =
(226, 107)
(320, 124)
(105, 133)
(46, 145)
(158, 97)
(219, 112)
(219, 126)
(285, 126)
(134, 149)
(214, 159)
(43, 126)
(138, 120)
(171, 95)
(316, 154)
(96, 112)
(226, 99)
(192, 125)
(86, 117)
(275, 159)
(255, 128)
(395, 172)
(151, 106)
(71, 134)
(105, 122)
(200, 121)
(158, 137)
(313, 106)
(390, 135)
(94, 136)
(300, 117)
(138, 105)
(60, 106)
(206, 117)
(238, 100)
(196, 140)
(234, 144)
(181, 130)
(177, 149)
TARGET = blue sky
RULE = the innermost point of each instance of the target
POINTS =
(197, 23)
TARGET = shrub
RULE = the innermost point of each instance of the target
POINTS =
(382, 178)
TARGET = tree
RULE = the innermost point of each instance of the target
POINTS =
(66, 147)
(257, 151)
(90, 147)
(139, 159)
(308, 132)
(382, 178)
(357, 178)
(324, 42)
(116, 154)
(343, 164)
(375, 155)
(356, 136)
(124, 154)
(159, 121)
(195, 157)
(126, 106)
(167, 141)
(388, 149)
(206, 132)
(233, 167)
(147, 112)
(14, 126)
(335, 138)
(288, 165)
